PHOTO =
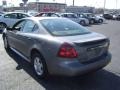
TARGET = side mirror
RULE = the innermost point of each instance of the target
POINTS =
(9, 29)
(12, 29)
(17, 28)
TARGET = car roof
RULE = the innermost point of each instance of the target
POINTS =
(46, 12)
(15, 12)
(66, 13)
(87, 13)
(43, 18)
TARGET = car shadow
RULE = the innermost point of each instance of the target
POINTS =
(1, 31)
(101, 80)
(97, 23)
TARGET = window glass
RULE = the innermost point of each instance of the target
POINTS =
(20, 25)
(54, 15)
(63, 27)
(29, 25)
(64, 15)
(71, 16)
(36, 28)
(44, 15)
(13, 16)
(20, 16)
(48, 14)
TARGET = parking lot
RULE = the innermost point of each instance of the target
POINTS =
(17, 74)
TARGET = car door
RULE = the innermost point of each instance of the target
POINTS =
(12, 34)
(73, 17)
(25, 41)
(10, 19)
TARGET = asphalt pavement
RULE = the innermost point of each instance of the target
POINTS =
(17, 74)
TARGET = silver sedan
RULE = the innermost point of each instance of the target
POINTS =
(57, 46)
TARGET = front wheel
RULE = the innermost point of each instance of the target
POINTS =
(6, 45)
(2, 26)
(92, 21)
(82, 23)
(39, 65)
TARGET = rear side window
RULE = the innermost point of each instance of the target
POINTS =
(28, 27)
(20, 16)
(36, 28)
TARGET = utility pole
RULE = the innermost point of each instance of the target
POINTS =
(73, 2)
(116, 3)
(65, 1)
(25, 2)
(104, 5)
(37, 2)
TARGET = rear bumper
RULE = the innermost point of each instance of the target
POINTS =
(75, 68)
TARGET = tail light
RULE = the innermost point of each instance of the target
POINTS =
(67, 51)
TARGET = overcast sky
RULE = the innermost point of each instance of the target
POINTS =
(111, 4)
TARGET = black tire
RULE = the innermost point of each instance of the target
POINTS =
(100, 21)
(92, 21)
(44, 72)
(2, 26)
(82, 23)
(6, 44)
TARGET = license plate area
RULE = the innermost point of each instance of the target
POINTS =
(94, 52)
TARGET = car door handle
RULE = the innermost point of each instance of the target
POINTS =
(28, 38)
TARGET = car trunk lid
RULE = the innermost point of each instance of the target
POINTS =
(88, 46)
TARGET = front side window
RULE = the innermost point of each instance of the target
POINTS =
(71, 16)
(29, 25)
(64, 15)
(63, 27)
(44, 15)
(12, 16)
(20, 25)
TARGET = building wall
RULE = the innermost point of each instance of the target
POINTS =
(80, 9)
(1, 8)
(45, 7)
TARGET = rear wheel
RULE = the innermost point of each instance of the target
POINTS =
(100, 21)
(39, 65)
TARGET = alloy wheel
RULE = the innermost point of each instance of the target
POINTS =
(38, 66)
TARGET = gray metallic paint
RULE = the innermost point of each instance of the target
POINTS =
(49, 45)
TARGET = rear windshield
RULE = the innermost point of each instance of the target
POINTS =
(63, 27)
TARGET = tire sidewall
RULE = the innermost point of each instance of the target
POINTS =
(92, 21)
(82, 22)
(100, 21)
(5, 40)
(45, 71)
